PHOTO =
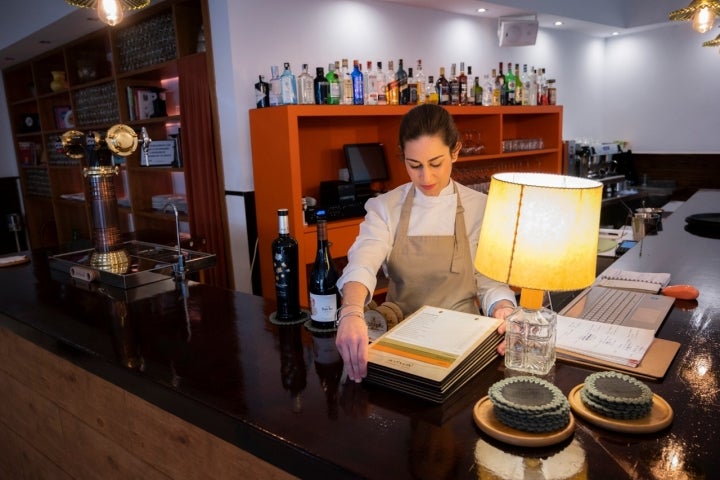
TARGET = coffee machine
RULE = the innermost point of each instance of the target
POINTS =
(595, 161)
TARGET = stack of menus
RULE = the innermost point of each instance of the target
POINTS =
(433, 352)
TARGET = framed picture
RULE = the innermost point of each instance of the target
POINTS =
(63, 117)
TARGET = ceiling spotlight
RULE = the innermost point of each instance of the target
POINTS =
(558, 23)
(482, 10)
(110, 11)
(701, 12)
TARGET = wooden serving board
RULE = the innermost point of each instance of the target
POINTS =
(660, 416)
(487, 422)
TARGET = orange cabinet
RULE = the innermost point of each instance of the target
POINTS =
(295, 147)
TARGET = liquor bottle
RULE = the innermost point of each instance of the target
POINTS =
(518, 86)
(470, 94)
(477, 92)
(357, 84)
(306, 87)
(454, 86)
(333, 97)
(501, 86)
(401, 76)
(288, 87)
(346, 84)
(391, 85)
(321, 86)
(286, 268)
(525, 81)
(381, 85)
(463, 84)
(323, 278)
(262, 93)
(442, 88)
(551, 92)
(274, 86)
(420, 83)
(412, 88)
(366, 81)
(541, 87)
(431, 93)
(487, 93)
(532, 91)
(372, 87)
(497, 90)
(510, 85)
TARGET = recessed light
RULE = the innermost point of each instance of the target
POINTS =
(558, 23)
(615, 33)
(482, 10)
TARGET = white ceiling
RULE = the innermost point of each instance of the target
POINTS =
(55, 23)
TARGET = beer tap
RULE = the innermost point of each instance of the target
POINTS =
(145, 146)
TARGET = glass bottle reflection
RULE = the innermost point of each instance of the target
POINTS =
(293, 372)
(329, 367)
(125, 337)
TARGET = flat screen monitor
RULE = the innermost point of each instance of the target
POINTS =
(366, 163)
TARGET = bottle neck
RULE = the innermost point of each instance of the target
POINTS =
(322, 238)
(283, 225)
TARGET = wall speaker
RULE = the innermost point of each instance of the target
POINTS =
(517, 32)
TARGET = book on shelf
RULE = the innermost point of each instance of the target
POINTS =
(433, 352)
(29, 153)
(145, 102)
(629, 280)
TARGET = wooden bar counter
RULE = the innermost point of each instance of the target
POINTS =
(153, 384)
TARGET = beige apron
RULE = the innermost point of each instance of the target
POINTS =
(431, 270)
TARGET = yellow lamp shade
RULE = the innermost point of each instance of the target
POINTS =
(540, 231)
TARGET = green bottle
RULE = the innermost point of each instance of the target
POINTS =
(333, 97)
(510, 82)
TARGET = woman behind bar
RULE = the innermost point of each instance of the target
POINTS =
(424, 234)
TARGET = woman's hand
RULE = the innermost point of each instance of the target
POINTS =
(501, 311)
(352, 343)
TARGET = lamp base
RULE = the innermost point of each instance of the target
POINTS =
(530, 340)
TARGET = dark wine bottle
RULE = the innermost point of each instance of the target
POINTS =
(323, 278)
(285, 265)
(262, 93)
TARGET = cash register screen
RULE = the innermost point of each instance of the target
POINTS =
(366, 162)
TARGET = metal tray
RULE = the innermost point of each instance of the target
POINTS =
(149, 263)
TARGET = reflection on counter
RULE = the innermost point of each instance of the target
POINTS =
(568, 463)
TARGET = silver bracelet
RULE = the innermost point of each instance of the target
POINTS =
(348, 314)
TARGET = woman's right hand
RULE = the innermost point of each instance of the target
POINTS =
(352, 343)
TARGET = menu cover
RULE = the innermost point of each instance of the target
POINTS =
(433, 352)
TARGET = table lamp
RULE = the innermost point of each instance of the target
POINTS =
(539, 232)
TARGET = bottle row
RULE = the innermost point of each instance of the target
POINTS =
(341, 85)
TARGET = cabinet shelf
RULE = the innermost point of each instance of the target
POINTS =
(305, 143)
(149, 49)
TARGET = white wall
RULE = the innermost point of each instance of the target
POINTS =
(662, 91)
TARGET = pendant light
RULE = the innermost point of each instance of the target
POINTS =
(110, 11)
(701, 12)
(713, 43)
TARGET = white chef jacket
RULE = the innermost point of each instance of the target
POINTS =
(431, 215)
